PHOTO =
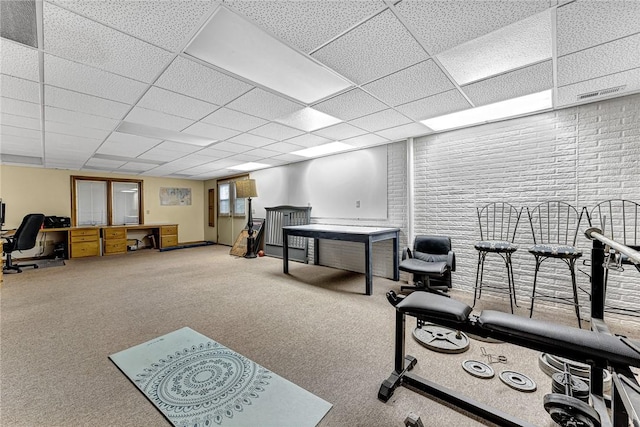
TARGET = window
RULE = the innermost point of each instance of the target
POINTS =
(227, 201)
(105, 201)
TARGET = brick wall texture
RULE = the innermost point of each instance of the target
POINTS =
(580, 155)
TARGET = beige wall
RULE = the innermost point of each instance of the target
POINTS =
(27, 190)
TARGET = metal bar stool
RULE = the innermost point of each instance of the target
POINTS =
(555, 226)
(498, 223)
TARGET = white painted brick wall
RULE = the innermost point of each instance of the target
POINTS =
(580, 155)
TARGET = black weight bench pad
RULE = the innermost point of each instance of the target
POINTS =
(585, 344)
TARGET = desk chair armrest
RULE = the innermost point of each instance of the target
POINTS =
(451, 260)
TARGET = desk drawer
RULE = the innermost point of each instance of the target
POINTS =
(167, 230)
(80, 232)
(168, 241)
(83, 249)
(87, 238)
(114, 233)
(112, 247)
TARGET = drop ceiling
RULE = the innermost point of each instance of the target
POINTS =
(153, 88)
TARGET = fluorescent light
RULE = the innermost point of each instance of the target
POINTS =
(234, 44)
(492, 112)
(249, 166)
(308, 120)
(163, 134)
(320, 150)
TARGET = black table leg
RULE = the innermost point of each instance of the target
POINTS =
(368, 249)
(285, 252)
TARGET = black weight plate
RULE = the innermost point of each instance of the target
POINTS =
(441, 339)
(568, 411)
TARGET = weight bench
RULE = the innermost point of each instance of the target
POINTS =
(599, 350)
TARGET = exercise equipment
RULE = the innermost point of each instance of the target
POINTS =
(441, 339)
(478, 369)
(598, 348)
(518, 381)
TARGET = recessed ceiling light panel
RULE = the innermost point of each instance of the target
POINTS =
(308, 120)
(234, 44)
(324, 149)
(249, 166)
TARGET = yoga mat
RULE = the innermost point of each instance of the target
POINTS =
(195, 381)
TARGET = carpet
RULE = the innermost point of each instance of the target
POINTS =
(195, 381)
(45, 263)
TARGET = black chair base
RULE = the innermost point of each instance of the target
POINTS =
(421, 286)
(10, 267)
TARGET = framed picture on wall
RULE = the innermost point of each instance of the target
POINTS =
(174, 196)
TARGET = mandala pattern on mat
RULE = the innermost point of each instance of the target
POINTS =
(203, 384)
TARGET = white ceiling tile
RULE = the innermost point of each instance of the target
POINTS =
(286, 158)
(306, 24)
(211, 131)
(233, 119)
(19, 108)
(74, 101)
(21, 132)
(340, 131)
(92, 81)
(160, 155)
(263, 104)
(263, 153)
(243, 158)
(25, 90)
(20, 146)
(521, 43)
(104, 163)
(276, 131)
(136, 167)
(285, 147)
(404, 131)
(19, 61)
(165, 23)
(195, 80)
(198, 170)
(231, 147)
(308, 140)
(273, 161)
(123, 144)
(19, 121)
(441, 25)
(608, 58)
(524, 81)
(70, 142)
(436, 105)
(374, 49)
(583, 24)
(365, 140)
(350, 105)
(173, 103)
(222, 164)
(308, 119)
(412, 83)
(73, 117)
(381, 120)
(568, 95)
(251, 140)
(75, 130)
(157, 119)
(79, 39)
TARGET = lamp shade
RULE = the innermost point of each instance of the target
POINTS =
(246, 188)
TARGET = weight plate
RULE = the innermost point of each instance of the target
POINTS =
(518, 381)
(568, 411)
(478, 369)
(546, 363)
(579, 388)
(441, 339)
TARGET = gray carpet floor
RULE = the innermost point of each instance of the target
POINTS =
(314, 327)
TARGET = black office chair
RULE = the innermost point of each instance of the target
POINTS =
(24, 238)
(431, 263)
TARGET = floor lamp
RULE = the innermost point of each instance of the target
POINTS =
(246, 188)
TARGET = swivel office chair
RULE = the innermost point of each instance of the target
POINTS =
(23, 239)
(431, 263)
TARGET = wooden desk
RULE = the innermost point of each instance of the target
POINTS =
(366, 235)
(86, 241)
